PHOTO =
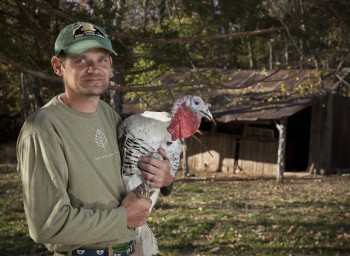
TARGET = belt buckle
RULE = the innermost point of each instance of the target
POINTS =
(127, 250)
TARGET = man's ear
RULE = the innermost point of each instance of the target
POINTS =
(57, 65)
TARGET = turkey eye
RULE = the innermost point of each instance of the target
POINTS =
(196, 103)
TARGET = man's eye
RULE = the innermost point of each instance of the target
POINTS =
(80, 61)
(103, 60)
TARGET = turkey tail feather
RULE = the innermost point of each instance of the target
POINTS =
(149, 245)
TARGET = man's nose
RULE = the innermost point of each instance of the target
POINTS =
(92, 66)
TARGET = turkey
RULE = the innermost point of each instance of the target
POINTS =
(142, 135)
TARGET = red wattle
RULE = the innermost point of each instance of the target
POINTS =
(184, 123)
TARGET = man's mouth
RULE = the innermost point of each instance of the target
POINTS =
(93, 79)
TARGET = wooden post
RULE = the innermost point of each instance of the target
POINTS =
(281, 157)
(326, 138)
(184, 158)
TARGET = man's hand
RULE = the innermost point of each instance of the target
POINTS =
(137, 209)
(156, 172)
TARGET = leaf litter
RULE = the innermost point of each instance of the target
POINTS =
(306, 215)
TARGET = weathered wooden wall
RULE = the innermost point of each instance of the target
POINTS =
(340, 133)
(222, 149)
(316, 132)
(255, 156)
(329, 136)
(258, 156)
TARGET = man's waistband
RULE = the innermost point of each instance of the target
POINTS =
(101, 250)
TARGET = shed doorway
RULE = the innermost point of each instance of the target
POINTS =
(298, 140)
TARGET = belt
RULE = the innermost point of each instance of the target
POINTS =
(100, 250)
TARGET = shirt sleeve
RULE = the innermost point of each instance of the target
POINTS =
(52, 219)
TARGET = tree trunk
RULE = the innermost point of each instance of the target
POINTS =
(145, 13)
(269, 43)
(250, 54)
(116, 100)
(286, 56)
(36, 88)
(24, 98)
(161, 13)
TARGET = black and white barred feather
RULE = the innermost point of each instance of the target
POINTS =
(142, 135)
(132, 148)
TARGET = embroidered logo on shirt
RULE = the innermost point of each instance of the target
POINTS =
(100, 139)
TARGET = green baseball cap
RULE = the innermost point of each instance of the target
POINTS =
(80, 37)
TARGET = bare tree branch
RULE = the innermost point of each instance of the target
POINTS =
(148, 88)
(55, 11)
(31, 21)
(328, 6)
(158, 87)
(183, 40)
(27, 70)
(290, 36)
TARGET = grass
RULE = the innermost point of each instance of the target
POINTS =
(219, 216)
(304, 216)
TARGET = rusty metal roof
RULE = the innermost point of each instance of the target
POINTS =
(265, 112)
(249, 94)
(266, 95)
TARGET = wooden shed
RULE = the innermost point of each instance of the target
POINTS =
(296, 120)
(313, 114)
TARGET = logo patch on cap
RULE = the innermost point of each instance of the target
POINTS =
(87, 29)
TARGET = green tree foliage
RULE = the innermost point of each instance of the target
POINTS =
(155, 38)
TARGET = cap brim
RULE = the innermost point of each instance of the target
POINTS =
(85, 45)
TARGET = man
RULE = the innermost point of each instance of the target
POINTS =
(69, 161)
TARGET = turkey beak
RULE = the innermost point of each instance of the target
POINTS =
(207, 114)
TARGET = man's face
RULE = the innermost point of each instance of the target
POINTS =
(87, 73)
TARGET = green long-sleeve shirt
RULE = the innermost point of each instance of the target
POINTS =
(69, 163)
